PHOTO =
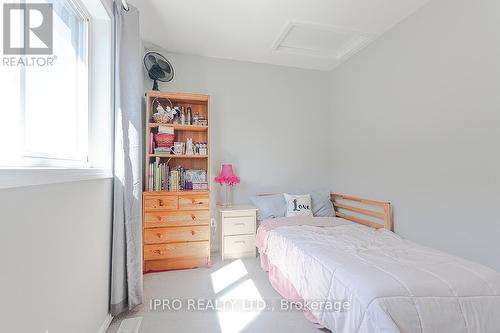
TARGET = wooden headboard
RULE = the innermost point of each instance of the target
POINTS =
(377, 210)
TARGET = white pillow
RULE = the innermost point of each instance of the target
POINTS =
(298, 205)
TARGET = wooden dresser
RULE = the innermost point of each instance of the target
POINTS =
(176, 230)
(176, 220)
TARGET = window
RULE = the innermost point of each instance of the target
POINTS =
(55, 109)
(54, 100)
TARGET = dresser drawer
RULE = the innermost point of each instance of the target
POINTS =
(157, 202)
(176, 250)
(160, 265)
(176, 234)
(176, 218)
(241, 244)
(193, 202)
(239, 225)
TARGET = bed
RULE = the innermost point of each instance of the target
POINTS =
(355, 275)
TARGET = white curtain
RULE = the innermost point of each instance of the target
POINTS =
(126, 270)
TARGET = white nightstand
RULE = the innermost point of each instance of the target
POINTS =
(237, 231)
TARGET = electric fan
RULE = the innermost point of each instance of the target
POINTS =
(158, 67)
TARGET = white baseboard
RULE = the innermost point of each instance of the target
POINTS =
(106, 323)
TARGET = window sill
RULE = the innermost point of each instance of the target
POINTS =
(21, 177)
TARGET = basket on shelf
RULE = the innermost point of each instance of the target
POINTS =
(162, 115)
(162, 118)
(163, 140)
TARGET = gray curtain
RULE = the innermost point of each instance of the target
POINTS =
(126, 270)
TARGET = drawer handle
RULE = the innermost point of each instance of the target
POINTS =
(193, 232)
(158, 251)
(239, 242)
(240, 223)
(160, 202)
(193, 217)
(159, 235)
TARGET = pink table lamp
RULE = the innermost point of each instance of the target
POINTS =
(227, 178)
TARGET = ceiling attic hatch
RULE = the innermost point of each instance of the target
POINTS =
(320, 41)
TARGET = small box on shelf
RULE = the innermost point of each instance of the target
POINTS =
(200, 186)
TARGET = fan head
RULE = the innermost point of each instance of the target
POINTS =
(158, 67)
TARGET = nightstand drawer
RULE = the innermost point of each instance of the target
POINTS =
(157, 202)
(239, 225)
(176, 218)
(176, 234)
(193, 202)
(234, 245)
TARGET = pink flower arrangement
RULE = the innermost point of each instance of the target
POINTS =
(227, 176)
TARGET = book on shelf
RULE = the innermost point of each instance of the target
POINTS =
(177, 179)
(158, 175)
(163, 178)
(151, 142)
(162, 129)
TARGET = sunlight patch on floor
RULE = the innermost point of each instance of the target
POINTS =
(243, 305)
(227, 275)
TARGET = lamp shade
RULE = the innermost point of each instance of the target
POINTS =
(227, 175)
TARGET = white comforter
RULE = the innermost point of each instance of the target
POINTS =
(393, 285)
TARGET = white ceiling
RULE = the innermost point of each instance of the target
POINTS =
(313, 34)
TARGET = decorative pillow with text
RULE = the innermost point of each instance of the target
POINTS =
(298, 205)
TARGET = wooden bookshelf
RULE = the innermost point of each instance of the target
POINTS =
(199, 133)
(176, 224)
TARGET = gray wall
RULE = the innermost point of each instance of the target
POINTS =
(271, 122)
(55, 254)
(416, 120)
